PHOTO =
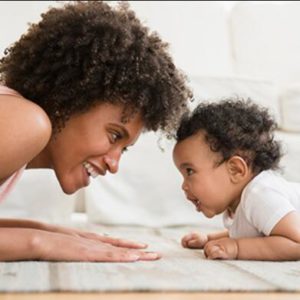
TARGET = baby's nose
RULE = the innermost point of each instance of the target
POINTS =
(184, 186)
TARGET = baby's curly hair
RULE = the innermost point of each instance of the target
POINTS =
(88, 52)
(235, 127)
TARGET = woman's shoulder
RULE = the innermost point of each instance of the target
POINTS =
(13, 104)
(4, 90)
(25, 129)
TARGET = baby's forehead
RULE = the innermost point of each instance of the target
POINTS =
(196, 138)
(195, 142)
(198, 144)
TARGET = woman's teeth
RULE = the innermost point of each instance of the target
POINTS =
(90, 169)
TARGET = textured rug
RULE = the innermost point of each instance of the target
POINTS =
(180, 270)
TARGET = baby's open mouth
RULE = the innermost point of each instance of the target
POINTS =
(195, 201)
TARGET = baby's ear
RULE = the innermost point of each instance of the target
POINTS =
(237, 168)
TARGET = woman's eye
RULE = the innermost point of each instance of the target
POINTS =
(116, 136)
(189, 171)
(124, 150)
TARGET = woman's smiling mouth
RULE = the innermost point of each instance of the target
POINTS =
(91, 170)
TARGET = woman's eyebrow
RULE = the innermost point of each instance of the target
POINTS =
(121, 128)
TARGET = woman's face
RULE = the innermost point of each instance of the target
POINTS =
(90, 145)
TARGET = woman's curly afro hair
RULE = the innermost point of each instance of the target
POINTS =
(88, 52)
(235, 127)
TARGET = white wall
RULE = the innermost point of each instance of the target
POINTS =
(195, 30)
(15, 16)
(207, 38)
(266, 39)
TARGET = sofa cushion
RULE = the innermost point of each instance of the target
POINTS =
(289, 98)
(38, 195)
(290, 162)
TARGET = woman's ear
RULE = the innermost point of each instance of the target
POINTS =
(237, 169)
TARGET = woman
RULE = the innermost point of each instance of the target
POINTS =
(77, 90)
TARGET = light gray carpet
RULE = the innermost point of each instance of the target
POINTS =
(179, 270)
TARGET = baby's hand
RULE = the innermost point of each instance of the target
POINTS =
(194, 240)
(225, 248)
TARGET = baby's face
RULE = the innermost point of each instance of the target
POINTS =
(205, 183)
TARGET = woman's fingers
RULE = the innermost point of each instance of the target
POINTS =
(121, 253)
(122, 243)
(149, 256)
(83, 249)
(108, 253)
(128, 254)
(120, 249)
(118, 242)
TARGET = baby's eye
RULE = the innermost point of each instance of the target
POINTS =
(189, 171)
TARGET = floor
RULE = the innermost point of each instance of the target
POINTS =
(152, 296)
(181, 273)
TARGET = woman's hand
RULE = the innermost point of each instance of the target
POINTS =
(77, 248)
(194, 240)
(27, 239)
(22, 223)
(34, 244)
(225, 248)
(97, 237)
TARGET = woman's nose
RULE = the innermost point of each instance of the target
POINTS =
(112, 161)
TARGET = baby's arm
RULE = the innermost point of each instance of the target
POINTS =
(282, 244)
(197, 240)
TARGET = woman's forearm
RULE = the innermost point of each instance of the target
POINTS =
(268, 248)
(18, 244)
(22, 223)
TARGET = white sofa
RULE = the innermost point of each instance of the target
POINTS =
(250, 49)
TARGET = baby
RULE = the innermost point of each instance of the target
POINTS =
(227, 156)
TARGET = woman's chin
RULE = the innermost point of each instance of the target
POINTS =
(70, 187)
(69, 192)
(71, 184)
